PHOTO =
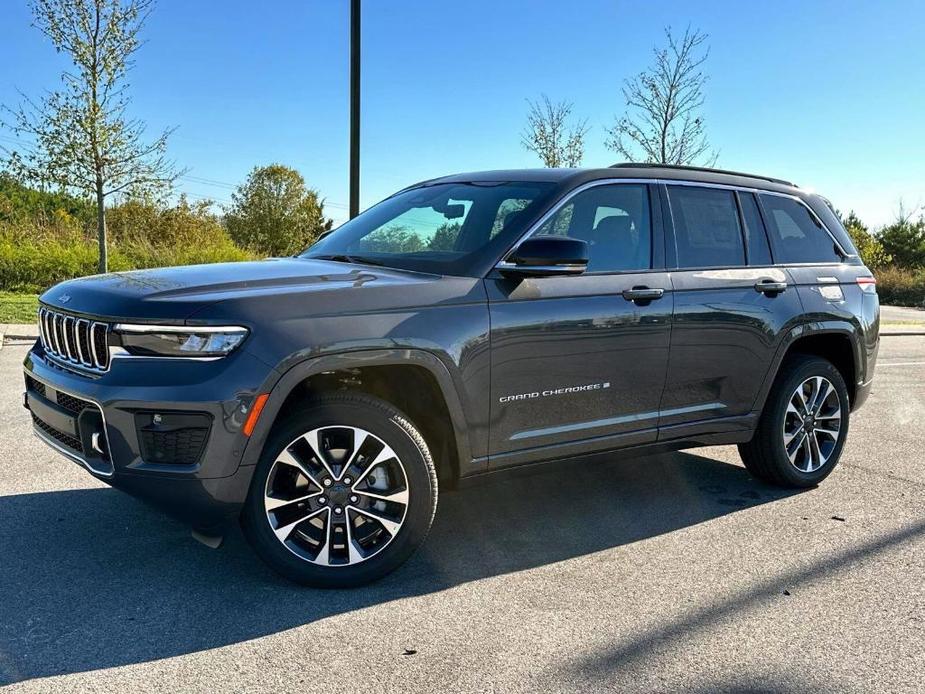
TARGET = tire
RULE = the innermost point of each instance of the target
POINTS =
(788, 450)
(377, 510)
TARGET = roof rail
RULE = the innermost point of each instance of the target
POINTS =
(705, 169)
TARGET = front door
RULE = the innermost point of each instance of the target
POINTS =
(578, 363)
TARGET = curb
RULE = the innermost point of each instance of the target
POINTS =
(18, 331)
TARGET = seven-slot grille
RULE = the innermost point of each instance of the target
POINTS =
(76, 340)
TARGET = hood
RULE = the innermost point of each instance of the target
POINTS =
(177, 293)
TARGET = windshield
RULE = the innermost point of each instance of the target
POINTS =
(443, 228)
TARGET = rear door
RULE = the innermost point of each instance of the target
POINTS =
(578, 364)
(813, 259)
(732, 307)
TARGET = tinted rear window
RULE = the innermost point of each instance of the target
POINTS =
(796, 234)
(706, 225)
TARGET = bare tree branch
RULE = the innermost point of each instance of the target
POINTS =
(549, 135)
(661, 122)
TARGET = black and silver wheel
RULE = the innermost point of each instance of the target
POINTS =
(803, 427)
(344, 493)
(812, 424)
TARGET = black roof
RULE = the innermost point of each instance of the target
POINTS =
(660, 171)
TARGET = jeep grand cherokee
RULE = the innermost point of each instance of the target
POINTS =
(464, 325)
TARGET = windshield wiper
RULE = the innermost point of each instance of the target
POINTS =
(344, 258)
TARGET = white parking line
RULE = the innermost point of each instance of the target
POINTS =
(901, 363)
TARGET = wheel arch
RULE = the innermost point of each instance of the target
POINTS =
(836, 341)
(413, 368)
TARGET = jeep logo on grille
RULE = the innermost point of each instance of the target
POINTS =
(64, 298)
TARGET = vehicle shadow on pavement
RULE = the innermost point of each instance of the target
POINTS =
(93, 579)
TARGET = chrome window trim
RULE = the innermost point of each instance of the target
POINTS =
(58, 447)
(501, 264)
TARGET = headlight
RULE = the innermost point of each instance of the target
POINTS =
(179, 341)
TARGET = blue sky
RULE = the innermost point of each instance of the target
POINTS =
(827, 94)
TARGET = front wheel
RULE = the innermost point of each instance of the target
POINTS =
(344, 492)
(803, 427)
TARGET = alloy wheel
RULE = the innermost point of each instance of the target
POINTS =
(812, 424)
(336, 496)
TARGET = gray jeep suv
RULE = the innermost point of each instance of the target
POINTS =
(463, 326)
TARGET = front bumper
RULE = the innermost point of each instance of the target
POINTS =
(130, 427)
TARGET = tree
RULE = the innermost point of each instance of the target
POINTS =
(662, 121)
(81, 139)
(444, 239)
(549, 135)
(274, 212)
(396, 238)
(869, 248)
(904, 239)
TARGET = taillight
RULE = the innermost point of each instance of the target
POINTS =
(867, 284)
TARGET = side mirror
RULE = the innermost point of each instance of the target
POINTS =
(544, 256)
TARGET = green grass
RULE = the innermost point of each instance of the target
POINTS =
(18, 308)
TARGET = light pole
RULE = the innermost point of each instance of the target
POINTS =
(354, 108)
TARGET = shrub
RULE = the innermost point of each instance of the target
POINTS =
(21, 203)
(904, 240)
(34, 256)
(869, 247)
(275, 213)
(900, 287)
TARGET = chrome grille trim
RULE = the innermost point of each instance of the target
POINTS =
(56, 333)
(42, 330)
(101, 360)
(83, 327)
(62, 336)
(67, 326)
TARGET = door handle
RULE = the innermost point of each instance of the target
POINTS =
(770, 286)
(642, 294)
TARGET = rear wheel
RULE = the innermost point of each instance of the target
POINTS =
(803, 428)
(344, 493)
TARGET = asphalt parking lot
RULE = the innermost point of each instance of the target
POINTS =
(667, 573)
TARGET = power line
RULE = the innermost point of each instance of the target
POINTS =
(232, 186)
(199, 180)
(209, 182)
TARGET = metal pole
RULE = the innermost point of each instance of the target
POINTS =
(354, 108)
